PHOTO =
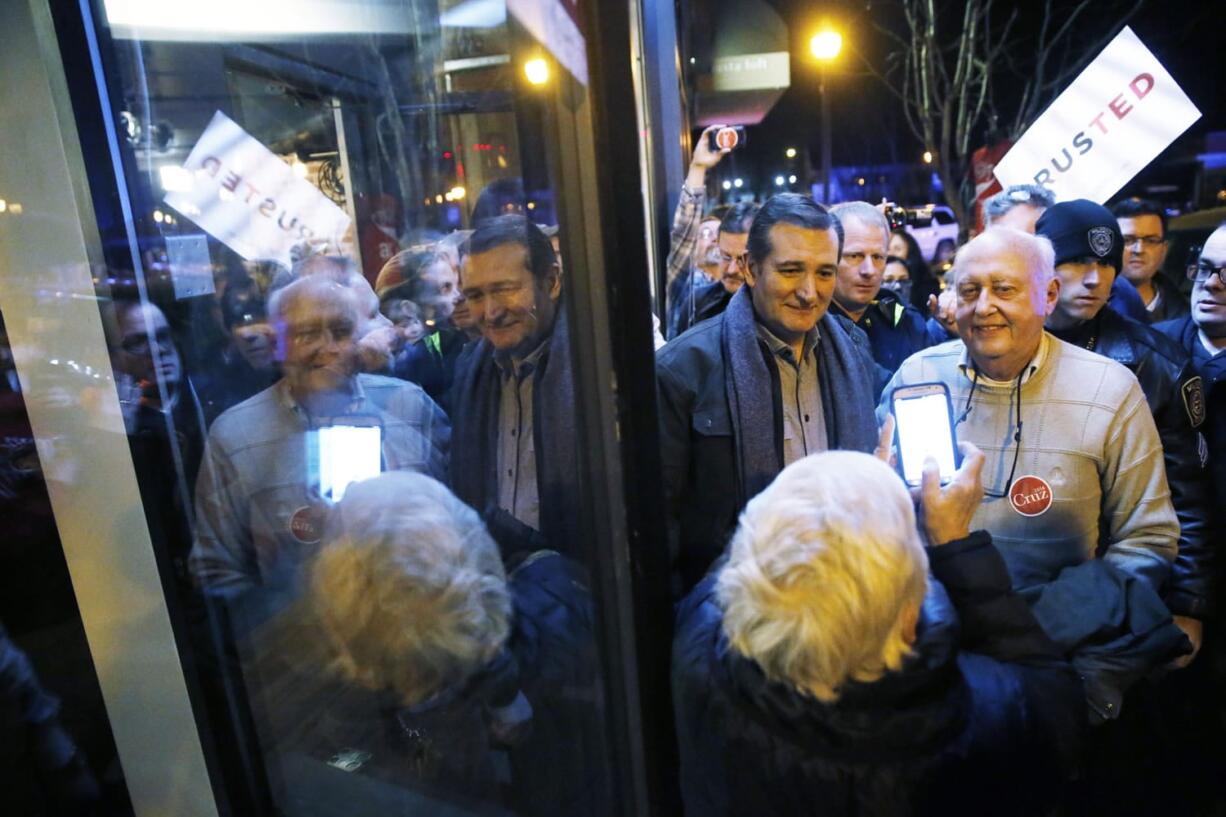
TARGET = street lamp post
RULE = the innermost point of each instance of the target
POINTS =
(825, 46)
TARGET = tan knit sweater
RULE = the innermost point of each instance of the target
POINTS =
(1088, 433)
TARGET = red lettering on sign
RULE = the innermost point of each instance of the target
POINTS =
(1119, 107)
(1135, 85)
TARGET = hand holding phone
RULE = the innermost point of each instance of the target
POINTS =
(924, 421)
(727, 138)
(945, 511)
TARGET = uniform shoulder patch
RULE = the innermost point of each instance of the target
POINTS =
(1194, 400)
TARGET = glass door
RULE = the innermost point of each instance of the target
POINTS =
(334, 303)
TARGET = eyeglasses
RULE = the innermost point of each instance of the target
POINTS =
(1017, 431)
(1147, 241)
(1202, 271)
(139, 345)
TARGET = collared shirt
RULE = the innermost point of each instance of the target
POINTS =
(968, 368)
(684, 236)
(804, 425)
(517, 488)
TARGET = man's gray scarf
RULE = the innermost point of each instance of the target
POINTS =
(474, 443)
(845, 378)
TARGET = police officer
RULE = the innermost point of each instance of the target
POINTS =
(1089, 249)
(895, 330)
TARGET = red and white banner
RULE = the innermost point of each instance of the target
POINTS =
(1115, 118)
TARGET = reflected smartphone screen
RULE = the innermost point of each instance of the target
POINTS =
(347, 454)
(924, 431)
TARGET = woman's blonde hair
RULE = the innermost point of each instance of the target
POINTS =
(409, 586)
(820, 571)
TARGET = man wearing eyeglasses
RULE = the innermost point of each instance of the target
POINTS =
(259, 509)
(1202, 334)
(1073, 463)
(1143, 225)
(710, 299)
(1089, 251)
(895, 330)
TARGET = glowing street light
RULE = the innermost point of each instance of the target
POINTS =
(792, 179)
(790, 153)
(778, 181)
(738, 182)
(537, 71)
(727, 185)
(927, 157)
(826, 45)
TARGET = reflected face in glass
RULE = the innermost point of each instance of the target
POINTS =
(513, 309)
(139, 328)
(1209, 295)
(898, 247)
(861, 266)
(1000, 310)
(440, 285)
(1022, 217)
(320, 340)
(1144, 247)
(256, 342)
(732, 259)
(406, 317)
(1084, 287)
(792, 287)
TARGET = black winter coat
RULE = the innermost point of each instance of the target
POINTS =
(985, 719)
(1172, 390)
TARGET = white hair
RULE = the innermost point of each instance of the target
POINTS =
(822, 566)
(1035, 251)
(320, 288)
(410, 586)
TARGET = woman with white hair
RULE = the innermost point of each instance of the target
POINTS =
(822, 670)
(479, 686)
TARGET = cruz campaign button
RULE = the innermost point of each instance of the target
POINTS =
(306, 525)
(1030, 495)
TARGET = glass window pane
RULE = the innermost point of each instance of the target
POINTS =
(343, 360)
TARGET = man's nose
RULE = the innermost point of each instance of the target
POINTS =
(1093, 277)
(806, 290)
(984, 303)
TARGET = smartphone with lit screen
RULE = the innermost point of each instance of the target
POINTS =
(924, 427)
(341, 453)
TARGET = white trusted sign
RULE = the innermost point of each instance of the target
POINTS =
(248, 198)
(1119, 114)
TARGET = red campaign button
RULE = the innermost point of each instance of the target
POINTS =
(1030, 495)
(306, 525)
(727, 138)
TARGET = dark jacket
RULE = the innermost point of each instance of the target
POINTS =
(1172, 303)
(703, 477)
(705, 300)
(431, 363)
(1212, 370)
(1125, 300)
(1171, 387)
(895, 330)
(982, 720)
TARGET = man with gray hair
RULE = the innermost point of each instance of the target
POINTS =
(1074, 464)
(1018, 206)
(258, 504)
(895, 330)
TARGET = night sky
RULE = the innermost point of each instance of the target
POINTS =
(868, 123)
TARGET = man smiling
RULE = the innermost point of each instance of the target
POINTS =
(1073, 461)
(513, 403)
(746, 394)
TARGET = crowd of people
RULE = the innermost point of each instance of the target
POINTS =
(1004, 641)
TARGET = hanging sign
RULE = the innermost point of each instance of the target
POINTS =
(248, 198)
(1117, 116)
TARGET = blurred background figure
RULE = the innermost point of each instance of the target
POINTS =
(1143, 225)
(248, 364)
(905, 248)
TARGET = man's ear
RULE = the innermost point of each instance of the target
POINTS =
(553, 280)
(1051, 296)
(751, 273)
